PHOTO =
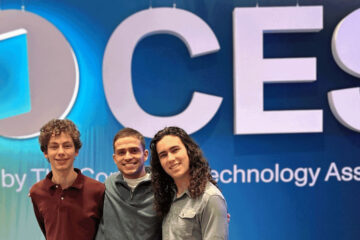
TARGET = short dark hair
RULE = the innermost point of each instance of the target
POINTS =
(54, 128)
(129, 132)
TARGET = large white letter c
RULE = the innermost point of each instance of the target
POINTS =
(199, 39)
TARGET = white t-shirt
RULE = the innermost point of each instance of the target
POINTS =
(134, 182)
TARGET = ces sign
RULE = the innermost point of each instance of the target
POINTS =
(251, 71)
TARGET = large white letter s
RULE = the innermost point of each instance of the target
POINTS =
(345, 103)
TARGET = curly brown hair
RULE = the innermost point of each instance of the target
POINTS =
(163, 184)
(54, 128)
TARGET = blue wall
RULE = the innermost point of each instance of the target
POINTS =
(164, 78)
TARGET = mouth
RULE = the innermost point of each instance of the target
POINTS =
(174, 166)
(61, 161)
(129, 164)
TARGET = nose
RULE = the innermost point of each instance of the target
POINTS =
(171, 157)
(128, 155)
(61, 151)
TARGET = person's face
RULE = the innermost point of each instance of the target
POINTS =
(174, 158)
(130, 156)
(61, 152)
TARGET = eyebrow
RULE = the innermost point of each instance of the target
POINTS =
(161, 152)
(137, 147)
(67, 142)
(171, 148)
(175, 146)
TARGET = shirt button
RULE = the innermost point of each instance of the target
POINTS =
(62, 198)
(56, 186)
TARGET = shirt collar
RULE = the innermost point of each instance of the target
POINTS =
(120, 178)
(78, 183)
(186, 193)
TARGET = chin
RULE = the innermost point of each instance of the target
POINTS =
(130, 172)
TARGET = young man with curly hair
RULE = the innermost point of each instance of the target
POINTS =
(128, 206)
(67, 204)
(186, 196)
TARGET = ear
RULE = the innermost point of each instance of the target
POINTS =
(76, 153)
(46, 155)
(146, 155)
(114, 158)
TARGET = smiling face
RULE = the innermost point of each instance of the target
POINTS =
(129, 157)
(61, 152)
(174, 158)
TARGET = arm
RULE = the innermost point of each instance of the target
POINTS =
(100, 232)
(101, 203)
(100, 227)
(214, 224)
(39, 217)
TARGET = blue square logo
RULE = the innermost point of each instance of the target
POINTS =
(14, 74)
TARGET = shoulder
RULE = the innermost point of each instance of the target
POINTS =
(213, 200)
(211, 196)
(212, 190)
(93, 184)
(114, 177)
(112, 180)
(40, 191)
(37, 187)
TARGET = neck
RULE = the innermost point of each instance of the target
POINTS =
(181, 185)
(134, 176)
(64, 179)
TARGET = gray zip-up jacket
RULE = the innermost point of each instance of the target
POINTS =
(128, 214)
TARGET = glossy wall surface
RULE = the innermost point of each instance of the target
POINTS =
(277, 186)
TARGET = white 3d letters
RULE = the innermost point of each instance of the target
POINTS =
(251, 70)
(199, 39)
(345, 103)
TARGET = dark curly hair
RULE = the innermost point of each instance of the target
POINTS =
(54, 128)
(163, 184)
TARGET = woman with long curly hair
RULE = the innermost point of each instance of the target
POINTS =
(185, 194)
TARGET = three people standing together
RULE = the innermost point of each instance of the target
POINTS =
(176, 198)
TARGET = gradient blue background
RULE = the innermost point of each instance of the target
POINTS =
(164, 78)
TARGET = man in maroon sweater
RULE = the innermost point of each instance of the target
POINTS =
(67, 204)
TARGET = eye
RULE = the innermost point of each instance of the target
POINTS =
(68, 146)
(121, 152)
(134, 150)
(53, 147)
(162, 155)
(175, 150)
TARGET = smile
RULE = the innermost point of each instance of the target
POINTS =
(174, 166)
(130, 163)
